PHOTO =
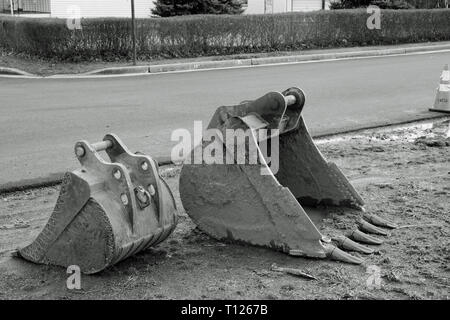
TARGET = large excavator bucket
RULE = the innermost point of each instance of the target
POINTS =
(263, 203)
(106, 211)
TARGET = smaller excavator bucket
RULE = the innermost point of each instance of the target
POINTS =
(106, 211)
(261, 204)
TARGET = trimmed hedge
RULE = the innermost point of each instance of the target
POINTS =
(427, 4)
(193, 36)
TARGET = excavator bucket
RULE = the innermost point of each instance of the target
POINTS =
(106, 211)
(271, 202)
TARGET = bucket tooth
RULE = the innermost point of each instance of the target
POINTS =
(337, 254)
(348, 244)
(261, 202)
(365, 226)
(106, 211)
(360, 236)
(380, 222)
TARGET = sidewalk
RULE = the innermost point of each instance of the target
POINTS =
(11, 64)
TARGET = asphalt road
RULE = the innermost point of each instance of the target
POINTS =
(41, 119)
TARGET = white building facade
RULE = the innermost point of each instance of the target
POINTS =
(102, 8)
(86, 8)
(121, 8)
(280, 6)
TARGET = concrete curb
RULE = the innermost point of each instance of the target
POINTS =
(289, 59)
(14, 72)
(349, 54)
(56, 178)
(40, 182)
(119, 70)
(427, 48)
(53, 179)
(199, 65)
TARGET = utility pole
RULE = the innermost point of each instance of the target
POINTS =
(11, 3)
(133, 31)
